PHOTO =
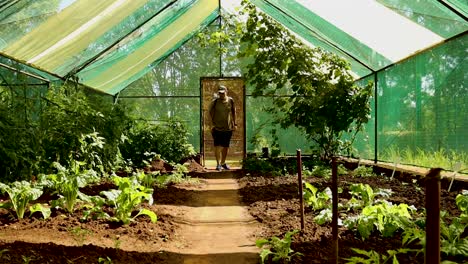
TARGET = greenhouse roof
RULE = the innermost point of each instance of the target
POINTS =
(108, 44)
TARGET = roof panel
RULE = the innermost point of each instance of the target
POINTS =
(378, 27)
(430, 14)
(136, 56)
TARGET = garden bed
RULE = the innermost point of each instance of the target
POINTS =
(64, 238)
(273, 201)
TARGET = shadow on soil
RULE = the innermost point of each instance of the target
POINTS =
(194, 198)
(17, 252)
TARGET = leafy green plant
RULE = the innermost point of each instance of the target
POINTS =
(79, 234)
(106, 260)
(384, 217)
(129, 195)
(363, 171)
(321, 171)
(148, 179)
(252, 163)
(325, 101)
(278, 249)
(66, 183)
(376, 258)
(325, 216)
(21, 194)
(317, 200)
(170, 140)
(27, 259)
(93, 208)
(366, 194)
(43, 209)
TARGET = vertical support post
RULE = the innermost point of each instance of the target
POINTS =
(220, 26)
(301, 192)
(432, 255)
(202, 125)
(376, 117)
(335, 209)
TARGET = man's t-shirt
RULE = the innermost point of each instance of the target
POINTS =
(221, 114)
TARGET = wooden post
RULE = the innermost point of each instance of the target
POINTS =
(301, 192)
(335, 209)
(432, 255)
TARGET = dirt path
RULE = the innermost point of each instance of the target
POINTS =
(218, 229)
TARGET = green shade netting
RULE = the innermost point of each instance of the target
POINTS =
(423, 102)
(328, 33)
(160, 110)
(80, 34)
(178, 74)
(459, 5)
(430, 14)
(260, 124)
(132, 58)
(308, 35)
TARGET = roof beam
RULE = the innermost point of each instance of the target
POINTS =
(448, 6)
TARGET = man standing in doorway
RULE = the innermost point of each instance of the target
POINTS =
(223, 117)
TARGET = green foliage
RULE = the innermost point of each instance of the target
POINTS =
(324, 103)
(278, 249)
(252, 163)
(170, 140)
(19, 138)
(147, 179)
(325, 216)
(366, 194)
(129, 195)
(376, 258)
(106, 260)
(363, 171)
(315, 199)
(441, 158)
(79, 234)
(32, 137)
(20, 194)
(384, 217)
(67, 182)
(93, 208)
(69, 114)
(44, 210)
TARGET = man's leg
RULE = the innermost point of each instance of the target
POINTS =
(224, 152)
(218, 150)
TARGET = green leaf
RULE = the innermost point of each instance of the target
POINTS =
(149, 213)
(40, 208)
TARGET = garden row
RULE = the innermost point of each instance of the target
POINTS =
(381, 218)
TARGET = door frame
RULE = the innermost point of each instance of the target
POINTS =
(202, 119)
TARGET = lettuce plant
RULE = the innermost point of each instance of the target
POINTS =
(20, 193)
(66, 183)
(385, 217)
(280, 249)
(317, 200)
(129, 195)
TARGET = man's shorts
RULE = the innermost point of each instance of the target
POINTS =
(221, 138)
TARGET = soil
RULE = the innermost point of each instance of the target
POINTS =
(273, 201)
(214, 220)
(200, 222)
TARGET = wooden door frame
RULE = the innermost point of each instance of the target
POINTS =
(202, 119)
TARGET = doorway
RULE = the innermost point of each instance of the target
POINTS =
(236, 90)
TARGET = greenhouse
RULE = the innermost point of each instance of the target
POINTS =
(348, 121)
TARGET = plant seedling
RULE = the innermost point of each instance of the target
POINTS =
(280, 249)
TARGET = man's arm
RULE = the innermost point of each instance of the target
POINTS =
(233, 110)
